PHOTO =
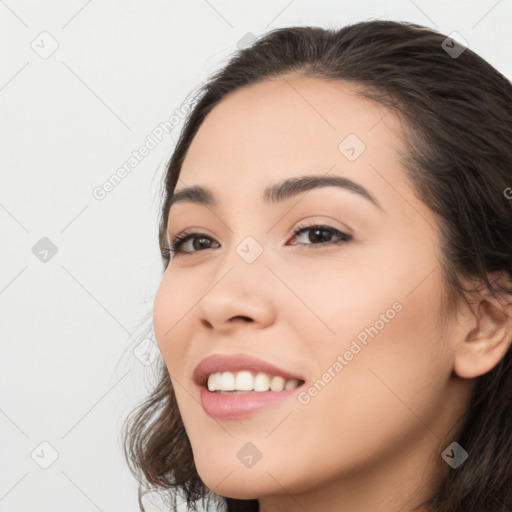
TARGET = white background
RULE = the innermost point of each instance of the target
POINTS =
(68, 326)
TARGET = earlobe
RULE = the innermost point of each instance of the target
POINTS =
(485, 345)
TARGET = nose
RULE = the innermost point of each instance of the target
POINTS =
(240, 294)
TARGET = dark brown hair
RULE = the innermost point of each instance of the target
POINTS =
(458, 113)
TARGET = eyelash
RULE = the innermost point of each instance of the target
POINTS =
(179, 240)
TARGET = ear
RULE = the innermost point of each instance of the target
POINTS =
(488, 336)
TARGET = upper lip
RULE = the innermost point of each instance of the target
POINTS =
(236, 362)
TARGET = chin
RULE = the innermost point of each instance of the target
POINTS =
(244, 488)
(242, 483)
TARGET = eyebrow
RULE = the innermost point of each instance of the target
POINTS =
(278, 192)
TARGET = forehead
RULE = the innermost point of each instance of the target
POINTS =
(290, 126)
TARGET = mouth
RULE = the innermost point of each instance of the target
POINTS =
(241, 372)
(236, 386)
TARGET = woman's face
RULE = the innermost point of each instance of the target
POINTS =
(356, 318)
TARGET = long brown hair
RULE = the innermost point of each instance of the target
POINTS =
(458, 112)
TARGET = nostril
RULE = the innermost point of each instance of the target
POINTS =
(243, 318)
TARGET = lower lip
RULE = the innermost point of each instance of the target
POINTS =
(231, 406)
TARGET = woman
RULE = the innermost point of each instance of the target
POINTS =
(335, 310)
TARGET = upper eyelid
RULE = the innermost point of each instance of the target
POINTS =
(299, 227)
(306, 223)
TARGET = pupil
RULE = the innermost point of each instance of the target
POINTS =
(200, 241)
(318, 231)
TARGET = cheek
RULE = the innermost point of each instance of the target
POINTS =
(389, 305)
(393, 371)
(173, 302)
(386, 397)
(384, 363)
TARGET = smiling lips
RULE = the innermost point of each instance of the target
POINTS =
(237, 363)
(235, 386)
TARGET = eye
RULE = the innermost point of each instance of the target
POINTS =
(182, 241)
(321, 234)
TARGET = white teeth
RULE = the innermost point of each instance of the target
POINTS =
(261, 382)
(277, 383)
(247, 381)
(244, 381)
(227, 381)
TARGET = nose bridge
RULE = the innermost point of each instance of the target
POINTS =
(239, 286)
(244, 263)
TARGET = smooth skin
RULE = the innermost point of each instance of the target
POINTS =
(371, 439)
